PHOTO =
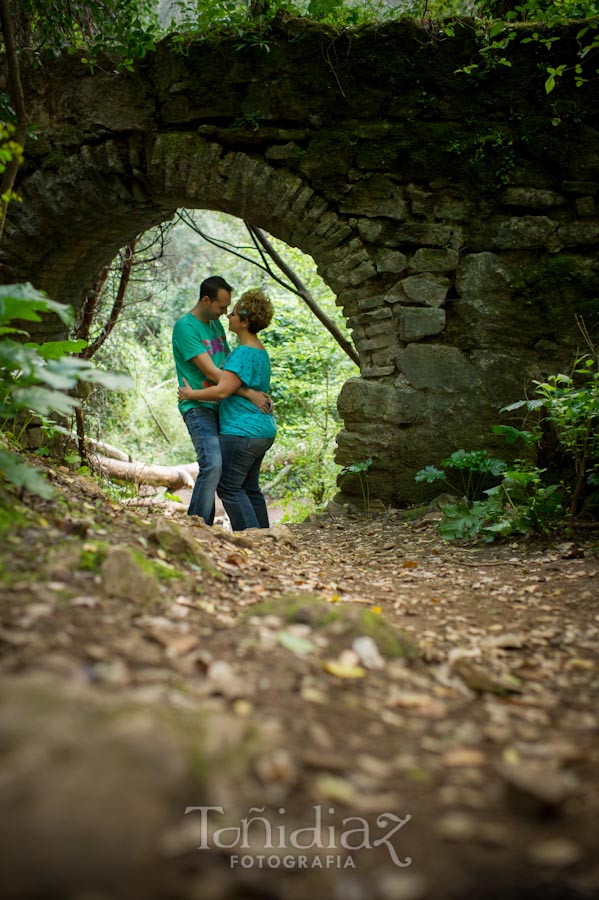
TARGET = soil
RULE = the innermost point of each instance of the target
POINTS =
(425, 710)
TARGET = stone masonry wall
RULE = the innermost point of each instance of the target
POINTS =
(455, 217)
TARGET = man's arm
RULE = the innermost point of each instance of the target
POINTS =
(206, 366)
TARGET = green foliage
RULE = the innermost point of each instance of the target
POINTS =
(465, 471)
(308, 366)
(251, 21)
(548, 14)
(36, 379)
(569, 405)
(9, 150)
(361, 470)
(127, 28)
(518, 505)
(492, 150)
(529, 498)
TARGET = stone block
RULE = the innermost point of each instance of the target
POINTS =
(377, 371)
(390, 261)
(416, 323)
(581, 187)
(376, 343)
(424, 233)
(384, 356)
(363, 272)
(427, 260)
(449, 209)
(533, 198)
(514, 233)
(375, 196)
(375, 302)
(437, 368)
(370, 230)
(585, 206)
(374, 315)
(430, 290)
(579, 233)
(283, 151)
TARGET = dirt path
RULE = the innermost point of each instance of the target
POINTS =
(425, 712)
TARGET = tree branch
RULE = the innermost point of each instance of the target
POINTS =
(294, 285)
(117, 306)
(305, 294)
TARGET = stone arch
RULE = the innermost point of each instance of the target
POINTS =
(456, 223)
(100, 198)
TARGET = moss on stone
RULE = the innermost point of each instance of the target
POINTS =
(346, 621)
(301, 607)
(391, 642)
(93, 555)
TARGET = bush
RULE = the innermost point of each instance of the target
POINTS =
(529, 497)
(36, 380)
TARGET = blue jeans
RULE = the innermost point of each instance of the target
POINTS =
(239, 489)
(202, 424)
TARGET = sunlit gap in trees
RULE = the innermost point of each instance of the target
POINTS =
(309, 365)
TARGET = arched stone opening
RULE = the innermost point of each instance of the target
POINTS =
(459, 247)
(431, 310)
(99, 199)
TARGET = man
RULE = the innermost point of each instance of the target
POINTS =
(200, 348)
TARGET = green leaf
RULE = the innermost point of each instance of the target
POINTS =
(22, 475)
(23, 301)
(43, 401)
(298, 645)
(512, 434)
(430, 474)
(56, 349)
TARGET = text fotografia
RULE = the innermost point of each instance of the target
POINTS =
(256, 830)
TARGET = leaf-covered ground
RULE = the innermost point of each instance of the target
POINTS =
(426, 711)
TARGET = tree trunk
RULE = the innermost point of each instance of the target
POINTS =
(18, 100)
(305, 294)
(171, 477)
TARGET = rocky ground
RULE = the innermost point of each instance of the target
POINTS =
(177, 702)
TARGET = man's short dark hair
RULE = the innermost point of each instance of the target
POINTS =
(211, 286)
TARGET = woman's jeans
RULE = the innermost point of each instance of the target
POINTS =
(238, 488)
(202, 424)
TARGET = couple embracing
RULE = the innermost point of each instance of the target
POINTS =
(223, 398)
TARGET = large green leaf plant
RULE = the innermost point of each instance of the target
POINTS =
(37, 381)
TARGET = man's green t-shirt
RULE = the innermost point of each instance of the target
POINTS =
(190, 338)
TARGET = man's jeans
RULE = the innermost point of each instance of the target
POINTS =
(239, 489)
(202, 424)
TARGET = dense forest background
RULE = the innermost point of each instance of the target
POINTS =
(309, 367)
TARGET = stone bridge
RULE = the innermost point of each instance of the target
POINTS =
(453, 215)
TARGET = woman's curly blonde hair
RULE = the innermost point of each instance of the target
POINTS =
(255, 307)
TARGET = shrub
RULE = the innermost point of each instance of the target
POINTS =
(529, 497)
(36, 380)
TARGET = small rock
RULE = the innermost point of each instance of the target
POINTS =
(402, 886)
(559, 853)
(536, 790)
(276, 766)
(464, 756)
(368, 653)
(457, 826)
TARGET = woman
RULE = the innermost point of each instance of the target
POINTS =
(245, 432)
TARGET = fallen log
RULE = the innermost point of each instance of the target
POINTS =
(171, 477)
(106, 449)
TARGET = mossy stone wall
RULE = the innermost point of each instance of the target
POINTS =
(454, 216)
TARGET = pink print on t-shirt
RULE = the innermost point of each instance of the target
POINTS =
(214, 345)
